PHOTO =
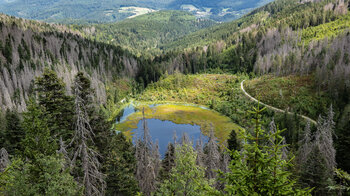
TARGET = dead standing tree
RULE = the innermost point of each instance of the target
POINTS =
(4, 159)
(148, 162)
(92, 179)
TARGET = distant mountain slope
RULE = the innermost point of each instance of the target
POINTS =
(144, 34)
(101, 11)
(27, 47)
(292, 13)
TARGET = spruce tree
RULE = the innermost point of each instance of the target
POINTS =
(12, 133)
(38, 140)
(58, 106)
(186, 177)
(258, 169)
(317, 156)
(45, 176)
(168, 162)
(121, 167)
(232, 142)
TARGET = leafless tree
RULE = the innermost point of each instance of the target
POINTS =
(92, 179)
(324, 139)
(200, 153)
(212, 160)
(4, 159)
(148, 162)
(63, 151)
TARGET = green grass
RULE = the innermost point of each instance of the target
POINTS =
(181, 114)
(294, 93)
(219, 92)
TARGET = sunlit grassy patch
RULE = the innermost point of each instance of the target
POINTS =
(180, 114)
(293, 93)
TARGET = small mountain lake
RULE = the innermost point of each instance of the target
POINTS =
(166, 119)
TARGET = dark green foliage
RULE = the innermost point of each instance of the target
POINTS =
(144, 35)
(12, 132)
(168, 162)
(121, 167)
(259, 168)
(186, 177)
(38, 140)
(83, 12)
(7, 52)
(58, 107)
(1, 46)
(315, 174)
(343, 186)
(232, 142)
(342, 141)
(23, 51)
(45, 176)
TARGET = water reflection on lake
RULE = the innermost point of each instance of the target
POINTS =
(163, 131)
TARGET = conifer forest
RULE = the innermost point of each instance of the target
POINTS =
(174, 98)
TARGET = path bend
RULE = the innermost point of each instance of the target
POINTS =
(273, 108)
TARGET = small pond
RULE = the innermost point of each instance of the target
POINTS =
(163, 132)
(166, 119)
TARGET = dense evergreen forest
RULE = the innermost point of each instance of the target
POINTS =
(144, 35)
(62, 89)
(109, 11)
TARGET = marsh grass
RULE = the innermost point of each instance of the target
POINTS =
(182, 114)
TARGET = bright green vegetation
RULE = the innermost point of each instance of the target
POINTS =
(147, 33)
(329, 30)
(180, 114)
(293, 93)
(220, 92)
(263, 162)
(117, 94)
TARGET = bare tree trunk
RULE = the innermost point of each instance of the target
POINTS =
(93, 179)
(4, 159)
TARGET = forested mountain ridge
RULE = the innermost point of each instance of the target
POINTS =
(103, 11)
(282, 37)
(292, 54)
(27, 47)
(147, 33)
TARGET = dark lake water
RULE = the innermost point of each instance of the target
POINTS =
(163, 131)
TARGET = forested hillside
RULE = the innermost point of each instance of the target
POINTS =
(27, 47)
(71, 99)
(102, 11)
(147, 33)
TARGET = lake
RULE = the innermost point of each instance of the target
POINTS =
(165, 119)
